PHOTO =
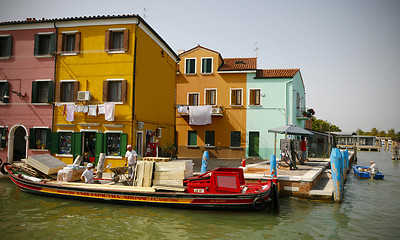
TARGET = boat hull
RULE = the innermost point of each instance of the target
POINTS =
(365, 175)
(257, 201)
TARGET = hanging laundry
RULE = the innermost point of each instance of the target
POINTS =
(183, 109)
(85, 108)
(70, 112)
(102, 109)
(78, 108)
(200, 115)
(110, 108)
(92, 110)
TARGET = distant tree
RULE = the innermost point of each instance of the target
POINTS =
(391, 133)
(374, 132)
(324, 126)
(360, 132)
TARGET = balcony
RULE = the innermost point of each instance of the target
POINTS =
(302, 114)
(216, 111)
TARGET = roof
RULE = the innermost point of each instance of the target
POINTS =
(198, 47)
(238, 64)
(276, 73)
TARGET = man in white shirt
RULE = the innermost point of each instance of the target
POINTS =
(130, 160)
(373, 169)
(88, 174)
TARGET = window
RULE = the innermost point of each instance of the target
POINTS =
(210, 138)
(192, 138)
(235, 139)
(193, 99)
(236, 97)
(65, 143)
(5, 46)
(4, 88)
(117, 40)
(255, 95)
(113, 144)
(67, 91)
(211, 97)
(190, 66)
(3, 137)
(42, 91)
(44, 44)
(114, 90)
(69, 42)
(39, 138)
(206, 65)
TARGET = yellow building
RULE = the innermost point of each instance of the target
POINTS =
(114, 85)
(206, 79)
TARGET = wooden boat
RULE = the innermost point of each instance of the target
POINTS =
(361, 172)
(221, 188)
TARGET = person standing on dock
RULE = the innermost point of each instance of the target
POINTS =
(373, 169)
(130, 160)
(303, 149)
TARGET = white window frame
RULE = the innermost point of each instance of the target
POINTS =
(216, 95)
(230, 96)
(117, 30)
(188, 97)
(249, 95)
(116, 80)
(212, 65)
(69, 53)
(195, 66)
(60, 154)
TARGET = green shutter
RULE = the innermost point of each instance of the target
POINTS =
(2, 137)
(37, 41)
(123, 143)
(32, 138)
(50, 92)
(34, 92)
(99, 146)
(192, 138)
(77, 144)
(52, 43)
(105, 143)
(55, 142)
(9, 46)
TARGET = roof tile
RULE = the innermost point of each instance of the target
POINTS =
(235, 64)
(276, 73)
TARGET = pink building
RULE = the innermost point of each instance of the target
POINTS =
(26, 88)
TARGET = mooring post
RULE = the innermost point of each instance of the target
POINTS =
(335, 159)
(272, 164)
(204, 162)
(355, 153)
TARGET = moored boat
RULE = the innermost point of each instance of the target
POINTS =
(221, 188)
(361, 172)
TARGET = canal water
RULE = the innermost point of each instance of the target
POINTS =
(370, 210)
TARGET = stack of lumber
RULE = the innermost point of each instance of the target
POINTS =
(172, 173)
(45, 163)
(144, 173)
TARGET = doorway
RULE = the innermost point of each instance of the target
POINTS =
(139, 143)
(89, 146)
(254, 144)
(19, 144)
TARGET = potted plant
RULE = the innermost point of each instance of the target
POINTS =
(39, 144)
(43, 146)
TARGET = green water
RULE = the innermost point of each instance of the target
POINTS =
(370, 210)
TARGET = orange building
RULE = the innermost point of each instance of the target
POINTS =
(211, 95)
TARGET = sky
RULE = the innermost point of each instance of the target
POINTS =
(348, 51)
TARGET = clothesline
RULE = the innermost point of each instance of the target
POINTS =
(108, 109)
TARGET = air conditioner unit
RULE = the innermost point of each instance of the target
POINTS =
(215, 110)
(84, 96)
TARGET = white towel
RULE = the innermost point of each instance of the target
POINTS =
(70, 112)
(92, 110)
(183, 109)
(200, 115)
(110, 108)
(102, 109)
(78, 108)
(85, 108)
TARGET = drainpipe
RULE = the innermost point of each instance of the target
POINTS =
(134, 86)
(54, 83)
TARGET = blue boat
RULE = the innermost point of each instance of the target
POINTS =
(361, 172)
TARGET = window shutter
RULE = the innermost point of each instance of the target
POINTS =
(76, 88)
(123, 90)
(55, 142)
(48, 138)
(107, 41)
(50, 92)
(34, 92)
(3, 137)
(123, 143)
(105, 90)
(6, 92)
(52, 43)
(77, 42)
(58, 92)
(105, 143)
(9, 46)
(32, 138)
(36, 49)
(99, 146)
(126, 40)
(233, 97)
(77, 144)
(60, 41)
(252, 97)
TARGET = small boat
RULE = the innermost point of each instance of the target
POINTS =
(221, 188)
(361, 172)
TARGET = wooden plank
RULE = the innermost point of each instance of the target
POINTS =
(45, 163)
(169, 175)
(139, 174)
(178, 165)
(148, 174)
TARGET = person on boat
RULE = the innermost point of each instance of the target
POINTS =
(373, 169)
(130, 160)
(88, 175)
(303, 149)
